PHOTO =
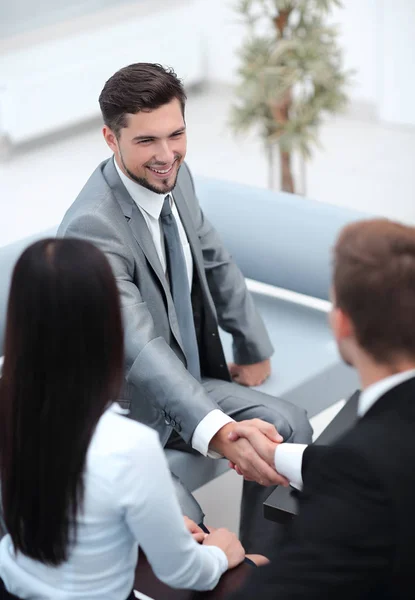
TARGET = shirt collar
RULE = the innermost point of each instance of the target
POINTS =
(372, 393)
(145, 199)
(116, 408)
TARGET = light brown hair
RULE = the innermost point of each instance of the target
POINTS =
(374, 284)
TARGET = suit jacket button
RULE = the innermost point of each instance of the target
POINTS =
(173, 423)
(213, 334)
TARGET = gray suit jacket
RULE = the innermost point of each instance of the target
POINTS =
(159, 391)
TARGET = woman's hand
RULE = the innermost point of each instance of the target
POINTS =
(229, 543)
(258, 559)
(197, 533)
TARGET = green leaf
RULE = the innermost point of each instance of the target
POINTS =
(289, 82)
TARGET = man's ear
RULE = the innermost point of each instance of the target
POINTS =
(342, 324)
(110, 138)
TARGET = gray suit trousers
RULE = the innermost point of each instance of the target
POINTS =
(257, 535)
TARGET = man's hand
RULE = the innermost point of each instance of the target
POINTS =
(250, 375)
(261, 436)
(241, 452)
(197, 533)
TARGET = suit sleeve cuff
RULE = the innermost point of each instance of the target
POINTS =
(207, 429)
(288, 460)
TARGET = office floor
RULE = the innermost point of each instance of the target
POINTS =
(362, 164)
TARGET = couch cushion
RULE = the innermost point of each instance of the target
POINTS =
(8, 258)
(302, 342)
(305, 356)
(277, 238)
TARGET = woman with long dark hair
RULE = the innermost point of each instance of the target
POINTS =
(80, 483)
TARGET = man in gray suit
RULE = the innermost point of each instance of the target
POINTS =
(177, 284)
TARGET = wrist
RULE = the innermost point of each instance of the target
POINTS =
(220, 440)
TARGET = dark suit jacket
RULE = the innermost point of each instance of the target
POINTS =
(354, 535)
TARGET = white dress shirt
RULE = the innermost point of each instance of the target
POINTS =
(150, 205)
(129, 501)
(289, 457)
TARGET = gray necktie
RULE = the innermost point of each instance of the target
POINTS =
(179, 285)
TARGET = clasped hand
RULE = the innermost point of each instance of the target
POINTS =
(250, 375)
(250, 448)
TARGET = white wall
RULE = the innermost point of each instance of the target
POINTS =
(358, 28)
(357, 35)
(51, 79)
(396, 99)
(378, 40)
(223, 38)
(19, 16)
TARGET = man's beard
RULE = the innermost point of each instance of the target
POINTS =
(146, 184)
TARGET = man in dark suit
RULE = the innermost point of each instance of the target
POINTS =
(354, 534)
(177, 283)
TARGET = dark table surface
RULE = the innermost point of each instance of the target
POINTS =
(281, 505)
(147, 583)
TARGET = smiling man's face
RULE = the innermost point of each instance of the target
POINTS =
(152, 147)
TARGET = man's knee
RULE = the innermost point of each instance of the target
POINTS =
(188, 503)
(302, 432)
(279, 419)
(290, 421)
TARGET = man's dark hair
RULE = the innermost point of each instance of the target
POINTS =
(138, 87)
(374, 284)
(63, 365)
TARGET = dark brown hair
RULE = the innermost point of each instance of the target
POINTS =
(138, 87)
(374, 284)
(63, 365)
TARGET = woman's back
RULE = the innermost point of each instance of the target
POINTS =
(123, 508)
(82, 486)
(101, 563)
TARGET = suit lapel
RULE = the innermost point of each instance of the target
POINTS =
(142, 235)
(144, 239)
(135, 221)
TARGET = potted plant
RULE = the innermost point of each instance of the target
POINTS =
(290, 77)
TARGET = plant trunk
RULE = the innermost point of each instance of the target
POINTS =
(271, 166)
(281, 114)
(287, 181)
(281, 111)
(303, 175)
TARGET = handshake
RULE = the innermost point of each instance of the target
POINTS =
(250, 448)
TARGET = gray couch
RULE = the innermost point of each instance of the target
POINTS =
(283, 242)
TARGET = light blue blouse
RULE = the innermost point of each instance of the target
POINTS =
(129, 502)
